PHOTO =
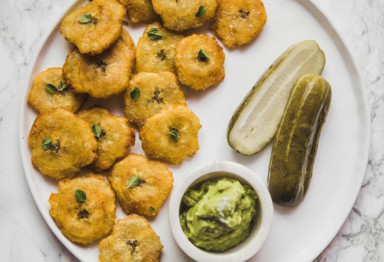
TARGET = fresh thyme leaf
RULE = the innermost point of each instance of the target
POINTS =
(201, 11)
(97, 131)
(135, 93)
(51, 88)
(134, 181)
(174, 133)
(85, 19)
(80, 196)
(46, 143)
(203, 56)
(62, 87)
(154, 34)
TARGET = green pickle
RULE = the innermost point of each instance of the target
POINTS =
(295, 145)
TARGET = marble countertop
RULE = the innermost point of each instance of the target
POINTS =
(26, 237)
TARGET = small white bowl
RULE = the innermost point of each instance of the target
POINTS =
(260, 230)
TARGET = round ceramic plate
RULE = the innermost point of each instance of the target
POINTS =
(299, 234)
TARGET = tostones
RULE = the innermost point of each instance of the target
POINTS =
(141, 185)
(181, 15)
(149, 93)
(171, 134)
(61, 143)
(199, 61)
(155, 50)
(84, 208)
(113, 135)
(103, 75)
(49, 90)
(237, 22)
(140, 11)
(132, 240)
(94, 27)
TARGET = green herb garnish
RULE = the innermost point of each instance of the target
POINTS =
(85, 19)
(203, 56)
(174, 133)
(97, 131)
(62, 87)
(151, 209)
(51, 88)
(154, 34)
(201, 11)
(46, 143)
(135, 93)
(134, 182)
(80, 196)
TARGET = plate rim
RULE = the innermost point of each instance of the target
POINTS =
(311, 7)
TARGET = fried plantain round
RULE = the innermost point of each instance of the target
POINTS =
(199, 61)
(237, 22)
(113, 134)
(171, 134)
(156, 49)
(49, 90)
(61, 143)
(84, 208)
(181, 15)
(155, 92)
(140, 11)
(141, 185)
(132, 240)
(103, 75)
(94, 27)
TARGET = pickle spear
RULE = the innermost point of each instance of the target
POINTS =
(294, 148)
(255, 121)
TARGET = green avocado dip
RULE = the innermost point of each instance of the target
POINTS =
(219, 214)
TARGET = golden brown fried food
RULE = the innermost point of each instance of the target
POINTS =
(113, 135)
(94, 27)
(171, 135)
(181, 15)
(141, 185)
(237, 22)
(61, 143)
(140, 11)
(156, 49)
(84, 208)
(154, 92)
(49, 90)
(199, 62)
(103, 75)
(132, 240)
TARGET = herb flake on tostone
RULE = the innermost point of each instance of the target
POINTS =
(46, 143)
(174, 133)
(134, 182)
(80, 196)
(85, 19)
(151, 209)
(201, 11)
(51, 88)
(203, 56)
(133, 244)
(154, 34)
(98, 131)
(135, 94)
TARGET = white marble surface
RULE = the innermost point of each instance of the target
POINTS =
(24, 234)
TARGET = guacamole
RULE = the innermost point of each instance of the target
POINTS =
(219, 214)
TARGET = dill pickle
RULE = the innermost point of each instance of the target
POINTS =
(297, 137)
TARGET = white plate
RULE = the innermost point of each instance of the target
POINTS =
(298, 234)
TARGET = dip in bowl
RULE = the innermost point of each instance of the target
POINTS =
(220, 211)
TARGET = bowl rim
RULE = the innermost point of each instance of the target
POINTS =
(204, 172)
